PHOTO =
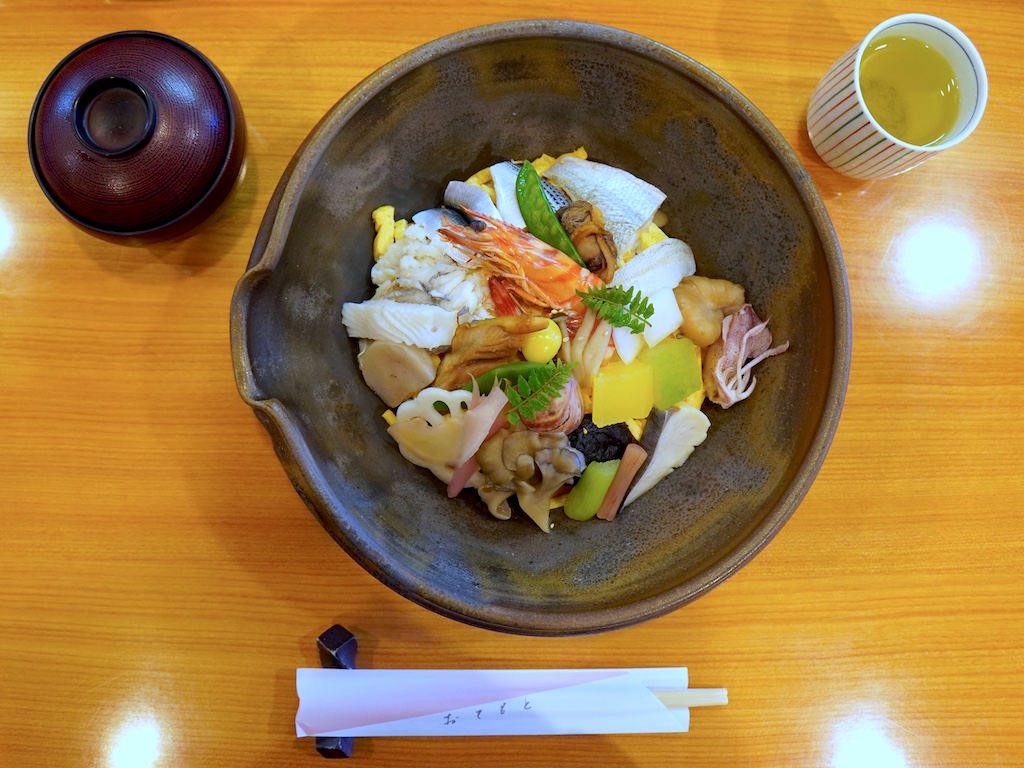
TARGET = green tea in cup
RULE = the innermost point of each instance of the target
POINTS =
(910, 88)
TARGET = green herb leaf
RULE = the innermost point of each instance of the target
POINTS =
(622, 307)
(532, 394)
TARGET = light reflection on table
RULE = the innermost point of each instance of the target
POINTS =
(937, 261)
(137, 743)
(6, 233)
(865, 740)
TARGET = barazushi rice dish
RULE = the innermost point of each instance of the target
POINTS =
(539, 338)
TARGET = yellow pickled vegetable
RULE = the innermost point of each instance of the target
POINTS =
(623, 392)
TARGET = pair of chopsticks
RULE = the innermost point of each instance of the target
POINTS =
(431, 702)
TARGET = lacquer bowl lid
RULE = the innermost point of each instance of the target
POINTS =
(136, 135)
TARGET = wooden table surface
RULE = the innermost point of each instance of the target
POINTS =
(160, 581)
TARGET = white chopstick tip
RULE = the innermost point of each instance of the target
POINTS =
(692, 697)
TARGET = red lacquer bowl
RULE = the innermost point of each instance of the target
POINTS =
(136, 135)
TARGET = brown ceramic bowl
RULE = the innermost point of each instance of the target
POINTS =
(136, 136)
(736, 193)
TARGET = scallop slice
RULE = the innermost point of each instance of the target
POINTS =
(419, 325)
(396, 371)
(627, 203)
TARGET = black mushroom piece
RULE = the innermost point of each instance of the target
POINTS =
(595, 245)
(600, 443)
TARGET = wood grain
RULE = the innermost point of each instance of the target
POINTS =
(160, 577)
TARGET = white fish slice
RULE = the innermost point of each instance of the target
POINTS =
(433, 219)
(627, 203)
(465, 196)
(419, 325)
(661, 265)
(504, 175)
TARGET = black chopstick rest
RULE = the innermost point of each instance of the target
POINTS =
(337, 647)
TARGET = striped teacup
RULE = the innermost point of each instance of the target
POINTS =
(852, 141)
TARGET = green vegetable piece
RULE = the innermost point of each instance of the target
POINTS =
(540, 218)
(505, 372)
(676, 366)
(586, 496)
(622, 307)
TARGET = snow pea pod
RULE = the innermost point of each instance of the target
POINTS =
(540, 218)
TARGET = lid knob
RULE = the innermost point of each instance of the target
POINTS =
(114, 115)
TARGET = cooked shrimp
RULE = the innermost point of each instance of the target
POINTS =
(540, 278)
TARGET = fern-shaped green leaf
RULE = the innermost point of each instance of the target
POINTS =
(622, 307)
(531, 395)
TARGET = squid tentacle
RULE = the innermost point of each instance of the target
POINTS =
(746, 341)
